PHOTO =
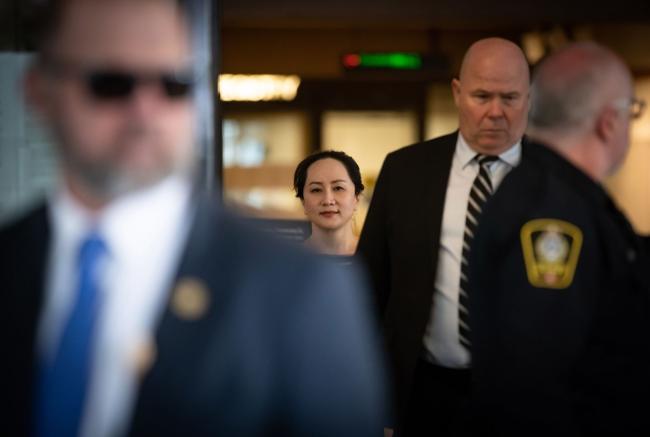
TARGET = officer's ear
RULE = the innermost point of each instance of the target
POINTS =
(605, 124)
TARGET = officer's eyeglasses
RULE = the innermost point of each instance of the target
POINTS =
(634, 105)
(106, 85)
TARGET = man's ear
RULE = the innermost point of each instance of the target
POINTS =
(455, 89)
(35, 91)
(605, 124)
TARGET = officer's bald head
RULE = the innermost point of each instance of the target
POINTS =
(573, 84)
(581, 99)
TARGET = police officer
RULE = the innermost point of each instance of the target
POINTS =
(558, 301)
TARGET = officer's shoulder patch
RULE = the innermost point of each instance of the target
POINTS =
(551, 249)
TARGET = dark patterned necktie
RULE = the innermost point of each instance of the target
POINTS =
(479, 193)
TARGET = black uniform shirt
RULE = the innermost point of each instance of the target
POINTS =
(558, 306)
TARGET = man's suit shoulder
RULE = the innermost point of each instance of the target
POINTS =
(252, 252)
(25, 222)
(23, 234)
(259, 245)
(540, 181)
(415, 154)
(536, 189)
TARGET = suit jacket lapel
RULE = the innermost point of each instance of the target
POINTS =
(32, 267)
(195, 297)
(27, 256)
(438, 167)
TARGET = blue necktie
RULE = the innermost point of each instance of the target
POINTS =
(64, 379)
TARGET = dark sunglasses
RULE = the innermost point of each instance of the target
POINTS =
(117, 85)
(107, 85)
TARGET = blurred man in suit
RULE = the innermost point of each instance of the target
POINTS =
(134, 305)
(418, 230)
(558, 279)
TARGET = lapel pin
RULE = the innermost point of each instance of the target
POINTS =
(190, 299)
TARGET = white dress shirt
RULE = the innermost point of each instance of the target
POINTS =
(441, 343)
(144, 234)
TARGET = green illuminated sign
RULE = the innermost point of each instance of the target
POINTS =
(393, 60)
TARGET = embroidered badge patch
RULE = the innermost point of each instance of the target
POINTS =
(551, 250)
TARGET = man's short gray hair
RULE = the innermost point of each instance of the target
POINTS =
(570, 86)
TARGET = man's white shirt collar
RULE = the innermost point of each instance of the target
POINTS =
(466, 154)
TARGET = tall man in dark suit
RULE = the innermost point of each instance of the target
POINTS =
(133, 305)
(560, 292)
(414, 236)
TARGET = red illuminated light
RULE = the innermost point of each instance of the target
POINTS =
(351, 60)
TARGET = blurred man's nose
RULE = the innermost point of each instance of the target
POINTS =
(495, 108)
(146, 99)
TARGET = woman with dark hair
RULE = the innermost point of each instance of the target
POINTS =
(328, 183)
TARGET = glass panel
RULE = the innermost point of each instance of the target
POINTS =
(27, 161)
(368, 136)
(441, 117)
(260, 152)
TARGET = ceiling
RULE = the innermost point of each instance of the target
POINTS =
(428, 14)
(364, 20)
